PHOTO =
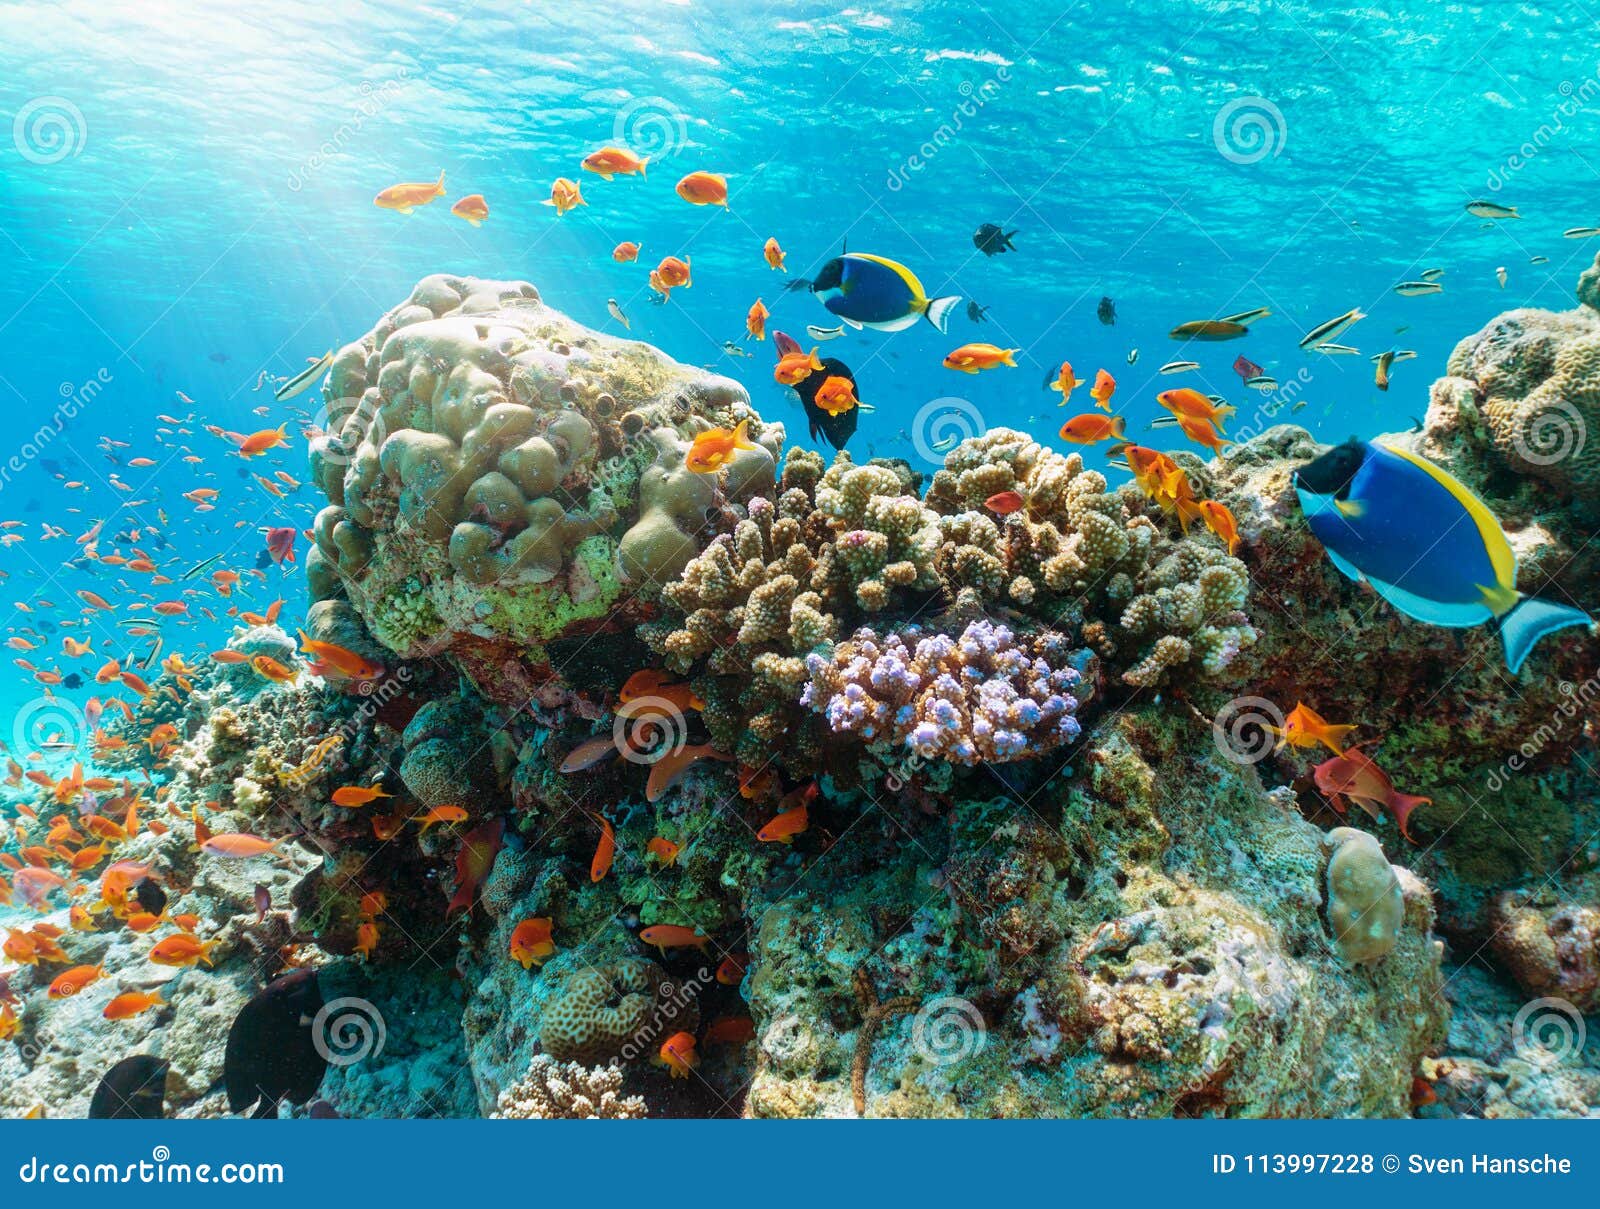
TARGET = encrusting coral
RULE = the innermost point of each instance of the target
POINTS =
(615, 1010)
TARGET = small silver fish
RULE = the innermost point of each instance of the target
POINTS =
(304, 378)
(616, 313)
(1580, 232)
(1333, 327)
(1337, 350)
(824, 333)
(1133, 356)
(948, 442)
(1300, 405)
(1262, 382)
(733, 350)
(1179, 367)
(1540, 260)
(1416, 289)
(1489, 209)
(1432, 274)
(1500, 276)
(1248, 317)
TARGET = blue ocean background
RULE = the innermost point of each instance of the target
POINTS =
(186, 202)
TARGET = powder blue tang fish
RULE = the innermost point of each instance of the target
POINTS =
(1424, 542)
(871, 291)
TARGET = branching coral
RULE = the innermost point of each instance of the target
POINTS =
(552, 1091)
(983, 697)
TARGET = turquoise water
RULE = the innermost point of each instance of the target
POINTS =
(186, 203)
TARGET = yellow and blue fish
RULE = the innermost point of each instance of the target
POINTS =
(1424, 542)
(873, 291)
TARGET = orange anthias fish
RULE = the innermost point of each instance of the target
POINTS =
(1004, 503)
(1186, 401)
(366, 939)
(1201, 432)
(439, 814)
(565, 195)
(653, 682)
(731, 972)
(836, 395)
(1090, 427)
(531, 943)
(704, 189)
(731, 1030)
(239, 846)
(1304, 727)
(671, 936)
(774, 254)
(351, 796)
(257, 443)
(472, 208)
(670, 768)
(74, 980)
(1104, 387)
(970, 358)
(713, 450)
(341, 659)
(1219, 519)
(269, 668)
(673, 272)
(614, 161)
(663, 850)
(794, 368)
(474, 862)
(405, 198)
(181, 949)
(625, 252)
(756, 321)
(604, 853)
(1066, 383)
(1353, 775)
(678, 1056)
(132, 1003)
(589, 753)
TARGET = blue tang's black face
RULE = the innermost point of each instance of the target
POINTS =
(1331, 473)
(829, 277)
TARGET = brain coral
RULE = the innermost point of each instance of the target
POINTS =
(498, 476)
(1537, 375)
(615, 1010)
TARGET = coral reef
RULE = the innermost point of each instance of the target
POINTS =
(1366, 906)
(553, 1092)
(602, 1012)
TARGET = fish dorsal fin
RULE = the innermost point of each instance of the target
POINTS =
(1501, 556)
(918, 295)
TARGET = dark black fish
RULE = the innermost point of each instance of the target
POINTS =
(975, 312)
(797, 283)
(151, 896)
(1416, 424)
(321, 1110)
(263, 559)
(135, 1089)
(991, 239)
(835, 430)
(72, 680)
(1107, 311)
(221, 358)
(272, 1054)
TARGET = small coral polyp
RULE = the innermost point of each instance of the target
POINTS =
(497, 474)
(984, 696)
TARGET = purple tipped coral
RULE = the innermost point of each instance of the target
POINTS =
(985, 697)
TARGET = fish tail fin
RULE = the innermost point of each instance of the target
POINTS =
(1007, 358)
(643, 164)
(1225, 410)
(1529, 620)
(741, 435)
(1119, 427)
(937, 310)
(1401, 805)
(438, 189)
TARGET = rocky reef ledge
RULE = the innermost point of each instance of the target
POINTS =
(916, 811)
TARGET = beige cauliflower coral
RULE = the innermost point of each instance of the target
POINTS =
(499, 476)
